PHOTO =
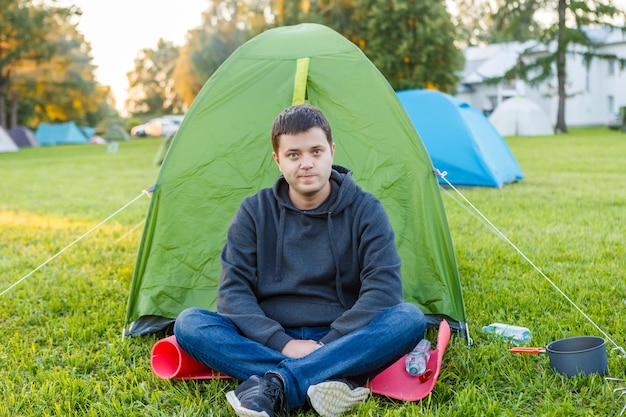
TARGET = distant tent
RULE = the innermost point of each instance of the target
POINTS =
(97, 140)
(116, 133)
(23, 137)
(460, 140)
(6, 143)
(89, 131)
(60, 134)
(519, 116)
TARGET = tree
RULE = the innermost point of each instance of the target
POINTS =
(226, 25)
(470, 20)
(517, 19)
(46, 63)
(23, 30)
(337, 14)
(63, 87)
(187, 80)
(151, 83)
(410, 41)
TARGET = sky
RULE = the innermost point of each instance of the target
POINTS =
(118, 29)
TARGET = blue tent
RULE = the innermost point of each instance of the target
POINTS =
(60, 134)
(89, 131)
(460, 140)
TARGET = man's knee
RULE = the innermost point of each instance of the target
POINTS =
(187, 321)
(411, 317)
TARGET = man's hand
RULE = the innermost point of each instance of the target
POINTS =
(299, 348)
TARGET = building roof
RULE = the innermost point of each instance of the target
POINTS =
(494, 60)
(491, 61)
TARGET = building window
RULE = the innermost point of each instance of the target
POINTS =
(611, 64)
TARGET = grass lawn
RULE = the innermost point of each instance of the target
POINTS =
(62, 352)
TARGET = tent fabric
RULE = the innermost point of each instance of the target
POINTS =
(60, 134)
(89, 131)
(460, 140)
(519, 116)
(23, 137)
(222, 154)
(116, 133)
(6, 143)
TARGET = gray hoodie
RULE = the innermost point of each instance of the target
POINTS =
(336, 265)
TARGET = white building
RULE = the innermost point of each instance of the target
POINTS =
(595, 90)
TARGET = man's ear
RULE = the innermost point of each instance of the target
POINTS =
(276, 159)
(332, 149)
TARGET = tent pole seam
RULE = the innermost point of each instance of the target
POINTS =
(299, 82)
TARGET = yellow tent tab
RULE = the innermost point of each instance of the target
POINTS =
(299, 83)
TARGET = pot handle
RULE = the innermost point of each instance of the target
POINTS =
(531, 350)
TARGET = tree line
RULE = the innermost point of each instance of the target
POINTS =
(47, 75)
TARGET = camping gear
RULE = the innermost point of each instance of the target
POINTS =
(222, 154)
(6, 143)
(23, 137)
(519, 116)
(169, 361)
(573, 355)
(395, 382)
(89, 131)
(416, 362)
(116, 133)
(460, 140)
(509, 332)
(620, 391)
(60, 134)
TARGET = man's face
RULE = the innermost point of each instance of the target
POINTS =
(306, 159)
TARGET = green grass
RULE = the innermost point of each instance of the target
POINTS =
(62, 354)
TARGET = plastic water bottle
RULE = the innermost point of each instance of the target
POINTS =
(417, 359)
(514, 334)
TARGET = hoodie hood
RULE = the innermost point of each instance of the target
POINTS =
(343, 190)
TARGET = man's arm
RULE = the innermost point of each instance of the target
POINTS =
(380, 275)
(236, 292)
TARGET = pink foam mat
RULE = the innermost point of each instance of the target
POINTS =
(169, 361)
(396, 382)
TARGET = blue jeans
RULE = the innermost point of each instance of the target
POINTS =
(214, 340)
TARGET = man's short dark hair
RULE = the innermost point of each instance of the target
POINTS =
(298, 119)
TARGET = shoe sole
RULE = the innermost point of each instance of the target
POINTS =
(331, 398)
(232, 399)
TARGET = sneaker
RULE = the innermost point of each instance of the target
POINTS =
(331, 398)
(258, 397)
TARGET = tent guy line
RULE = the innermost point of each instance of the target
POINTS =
(132, 229)
(143, 192)
(519, 251)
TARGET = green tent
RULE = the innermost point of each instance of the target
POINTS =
(222, 153)
(116, 133)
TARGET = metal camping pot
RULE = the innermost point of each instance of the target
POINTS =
(574, 355)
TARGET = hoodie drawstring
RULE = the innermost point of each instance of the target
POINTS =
(336, 261)
(279, 245)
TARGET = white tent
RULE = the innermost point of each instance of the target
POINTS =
(6, 143)
(519, 116)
